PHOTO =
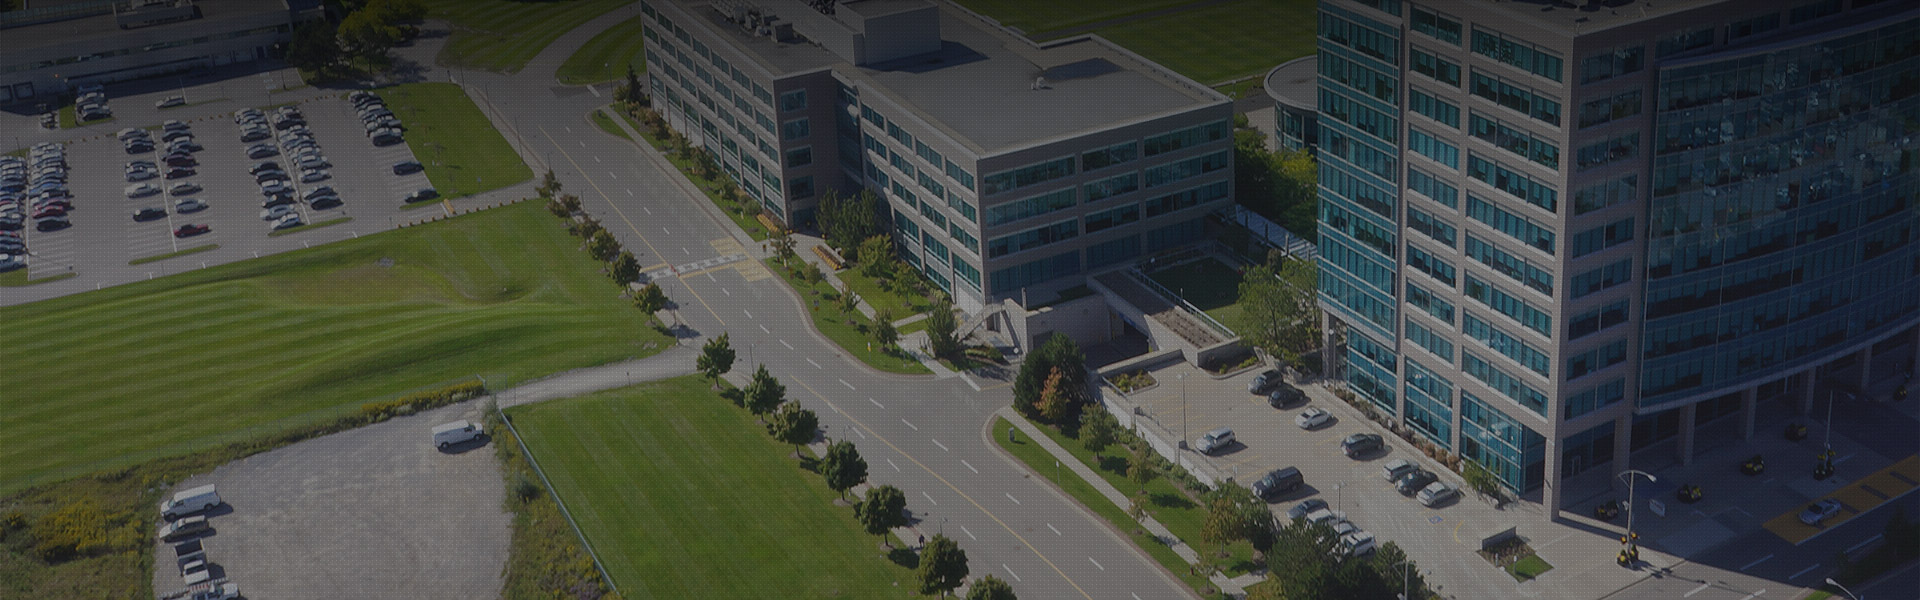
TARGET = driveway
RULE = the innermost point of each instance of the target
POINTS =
(375, 512)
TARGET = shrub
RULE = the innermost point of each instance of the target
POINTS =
(80, 529)
(374, 412)
(524, 488)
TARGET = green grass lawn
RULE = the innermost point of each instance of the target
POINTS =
(1040, 461)
(1038, 17)
(606, 124)
(1528, 568)
(685, 496)
(462, 151)
(851, 338)
(869, 290)
(184, 252)
(606, 56)
(1209, 284)
(18, 278)
(502, 35)
(1222, 42)
(110, 378)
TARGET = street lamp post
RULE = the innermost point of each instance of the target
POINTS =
(1183, 408)
(1829, 441)
(1843, 588)
(1632, 540)
(1406, 579)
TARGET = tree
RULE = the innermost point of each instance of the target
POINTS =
(794, 425)
(849, 301)
(625, 268)
(810, 273)
(943, 566)
(1234, 514)
(315, 46)
(397, 11)
(884, 333)
(1479, 479)
(842, 467)
(1098, 429)
(602, 246)
(1282, 186)
(716, 358)
(633, 93)
(1057, 351)
(783, 245)
(572, 203)
(883, 510)
(650, 299)
(1053, 405)
(549, 185)
(990, 588)
(367, 37)
(1280, 312)
(941, 331)
(764, 393)
(876, 256)
(1140, 466)
(848, 220)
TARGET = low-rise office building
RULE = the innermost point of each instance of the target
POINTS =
(52, 49)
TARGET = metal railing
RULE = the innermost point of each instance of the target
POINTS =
(1181, 303)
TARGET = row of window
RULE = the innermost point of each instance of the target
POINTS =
(1359, 115)
(1334, 142)
(1345, 186)
(1516, 268)
(1169, 173)
(1113, 217)
(1614, 390)
(1433, 342)
(1619, 106)
(1600, 238)
(1512, 182)
(1360, 264)
(1514, 139)
(1519, 98)
(1435, 228)
(1432, 66)
(1377, 310)
(1514, 308)
(1431, 304)
(1433, 108)
(1425, 262)
(1613, 63)
(1433, 188)
(1100, 158)
(1592, 321)
(1033, 238)
(1029, 175)
(1035, 272)
(1602, 278)
(1334, 216)
(1500, 341)
(959, 174)
(1506, 384)
(1605, 194)
(1184, 199)
(1620, 147)
(1190, 137)
(1597, 359)
(1374, 41)
(1438, 26)
(1519, 53)
(1367, 80)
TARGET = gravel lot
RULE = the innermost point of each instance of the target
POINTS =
(375, 512)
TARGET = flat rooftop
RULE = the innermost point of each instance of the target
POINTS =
(1295, 83)
(97, 29)
(979, 88)
(1578, 17)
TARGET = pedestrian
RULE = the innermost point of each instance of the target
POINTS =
(923, 540)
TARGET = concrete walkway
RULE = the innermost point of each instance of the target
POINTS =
(1235, 586)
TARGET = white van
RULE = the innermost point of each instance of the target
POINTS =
(190, 501)
(456, 432)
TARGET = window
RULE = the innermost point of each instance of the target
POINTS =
(1499, 380)
(1433, 108)
(901, 164)
(794, 130)
(1334, 216)
(1527, 57)
(1439, 69)
(1596, 359)
(1512, 182)
(1381, 86)
(872, 116)
(1519, 98)
(1514, 308)
(1438, 269)
(1612, 63)
(1592, 321)
(966, 240)
(792, 101)
(1108, 219)
(1754, 26)
(1112, 186)
(960, 175)
(1514, 267)
(765, 123)
(1188, 138)
(1030, 207)
(966, 272)
(1382, 162)
(1185, 199)
(1113, 251)
(1434, 228)
(1355, 34)
(1339, 254)
(1619, 147)
(1683, 41)
(1426, 338)
(1601, 238)
(1111, 155)
(899, 134)
(1359, 115)
(1499, 341)
(1431, 147)
(800, 157)
(1052, 267)
(1621, 106)
(932, 186)
(1517, 227)
(1433, 305)
(1438, 26)
(926, 153)
(800, 187)
(1596, 398)
(1602, 195)
(1172, 172)
(765, 96)
(1514, 139)
(1601, 278)
(1348, 187)
(1034, 174)
(1813, 10)
(962, 206)
(1032, 238)
(1433, 188)
(936, 250)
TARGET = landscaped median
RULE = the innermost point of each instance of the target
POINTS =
(849, 330)
(178, 253)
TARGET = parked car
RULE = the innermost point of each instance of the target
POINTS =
(187, 144)
(264, 177)
(142, 190)
(181, 160)
(1263, 382)
(1414, 481)
(1215, 441)
(184, 528)
(265, 165)
(422, 194)
(325, 202)
(277, 199)
(129, 133)
(1361, 443)
(273, 187)
(387, 137)
(190, 230)
(259, 151)
(142, 174)
(254, 135)
(179, 172)
(1326, 516)
(276, 212)
(176, 135)
(314, 161)
(318, 191)
(1277, 482)
(139, 147)
(183, 188)
(287, 222)
(1397, 468)
(51, 223)
(189, 205)
(1312, 417)
(1437, 493)
(1284, 395)
(149, 213)
(43, 212)
(1305, 507)
(313, 175)
(455, 433)
(1820, 511)
(174, 125)
(1359, 543)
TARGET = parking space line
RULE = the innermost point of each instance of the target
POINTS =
(784, 343)
(937, 443)
(749, 315)
(1056, 530)
(876, 403)
(763, 329)
(1755, 594)
(1757, 561)
(1697, 590)
(969, 466)
(722, 290)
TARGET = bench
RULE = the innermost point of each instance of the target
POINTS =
(833, 262)
(768, 223)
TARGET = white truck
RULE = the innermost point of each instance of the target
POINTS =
(191, 501)
(457, 432)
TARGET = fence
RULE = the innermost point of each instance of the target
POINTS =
(556, 498)
(1150, 429)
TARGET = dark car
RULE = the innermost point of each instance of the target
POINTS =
(423, 194)
(325, 202)
(1277, 482)
(318, 191)
(277, 199)
(190, 230)
(52, 223)
(179, 172)
(149, 213)
(48, 211)
(1414, 481)
(1284, 395)
(1264, 382)
(407, 168)
(139, 147)
(265, 165)
(1300, 511)
(1361, 443)
(181, 160)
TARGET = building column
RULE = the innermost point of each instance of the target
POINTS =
(1326, 346)
(1866, 367)
(1550, 479)
(1622, 445)
(1811, 378)
(1684, 446)
(1748, 404)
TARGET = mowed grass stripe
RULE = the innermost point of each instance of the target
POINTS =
(501, 35)
(606, 56)
(110, 378)
(1225, 41)
(685, 496)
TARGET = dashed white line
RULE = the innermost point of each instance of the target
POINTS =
(937, 443)
(613, 174)
(969, 466)
(629, 193)
(583, 144)
(763, 328)
(1016, 576)
(910, 425)
(815, 364)
(863, 434)
(724, 291)
(1755, 594)
(1095, 563)
(1876, 537)
(849, 385)
(710, 278)
(570, 130)
(1803, 572)
(649, 210)
(895, 467)
(597, 159)
(963, 529)
(929, 497)
(1015, 500)
(1697, 590)
(749, 315)
(1757, 561)
(669, 232)
(784, 343)
(876, 403)
(1135, 596)
(1056, 531)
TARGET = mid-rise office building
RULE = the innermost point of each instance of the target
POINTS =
(1010, 169)
(1556, 234)
(54, 47)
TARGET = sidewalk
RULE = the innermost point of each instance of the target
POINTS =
(1235, 587)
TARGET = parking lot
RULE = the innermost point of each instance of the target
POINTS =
(363, 513)
(1442, 539)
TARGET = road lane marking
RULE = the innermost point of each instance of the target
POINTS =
(613, 175)
(815, 364)
(629, 222)
(890, 464)
(1697, 590)
(944, 446)
(582, 144)
(1056, 531)
(1755, 594)
(863, 434)
(710, 278)
(784, 343)
(909, 424)
(669, 232)
(1803, 572)
(1876, 537)
(929, 497)
(1010, 497)
(1016, 576)
(629, 192)
(876, 403)
(849, 385)
(649, 210)
(963, 529)
(724, 290)
(1758, 561)
(969, 466)
(570, 130)
(1095, 563)
(596, 158)
(1135, 596)
(749, 315)
(763, 329)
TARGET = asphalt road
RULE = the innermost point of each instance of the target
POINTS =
(1761, 565)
